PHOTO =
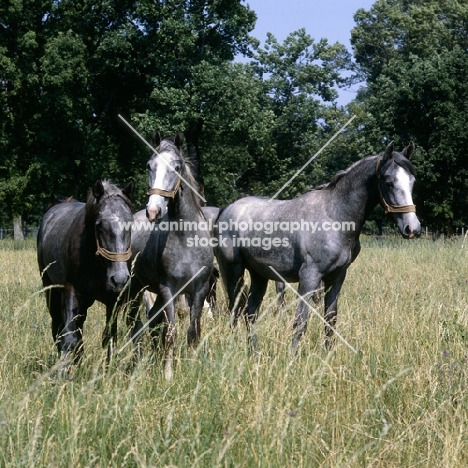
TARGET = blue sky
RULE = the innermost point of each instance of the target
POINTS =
(332, 19)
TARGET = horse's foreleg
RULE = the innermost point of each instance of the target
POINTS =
(196, 309)
(131, 305)
(54, 304)
(232, 275)
(73, 316)
(308, 285)
(333, 289)
(109, 337)
(162, 318)
(258, 287)
(280, 300)
(212, 282)
(134, 324)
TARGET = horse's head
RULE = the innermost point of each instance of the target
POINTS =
(112, 217)
(164, 169)
(395, 175)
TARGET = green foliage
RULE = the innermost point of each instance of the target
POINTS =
(413, 56)
(67, 69)
(299, 77)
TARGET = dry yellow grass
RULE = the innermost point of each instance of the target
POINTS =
(402, 400)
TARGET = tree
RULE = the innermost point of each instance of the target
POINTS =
(262, 120)
(413, 55)
(299, 79)
(67, 69)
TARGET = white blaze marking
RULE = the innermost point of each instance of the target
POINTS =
(155, 201)
(403, 186)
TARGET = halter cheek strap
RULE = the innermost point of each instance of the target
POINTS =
(388, 207)
(165, 193)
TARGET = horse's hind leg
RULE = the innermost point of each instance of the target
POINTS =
(258, 287)
(333, 289)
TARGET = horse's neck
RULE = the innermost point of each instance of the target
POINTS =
(188, 208)
(357, 191)
(89, 236)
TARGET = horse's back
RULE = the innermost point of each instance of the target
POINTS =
(256, 208)
(53, 237)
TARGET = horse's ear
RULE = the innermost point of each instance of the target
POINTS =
(179, 140)
(129, 188)
(98, 189)
(409, 150)
(156, 137)
(389, 151)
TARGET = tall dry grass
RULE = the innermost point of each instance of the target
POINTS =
(402, 400)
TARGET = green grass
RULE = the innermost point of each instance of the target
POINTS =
(402, 400)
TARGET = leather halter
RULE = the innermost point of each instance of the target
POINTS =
(389, 208)
(113, 256)
(165, 193)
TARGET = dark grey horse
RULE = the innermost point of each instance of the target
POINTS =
(82, 252)
(314, 237)
(175, 254)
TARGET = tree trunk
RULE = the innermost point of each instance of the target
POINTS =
(18, 227)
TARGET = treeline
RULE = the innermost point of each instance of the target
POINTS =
(69, 68)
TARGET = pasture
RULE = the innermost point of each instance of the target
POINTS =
(402, 400)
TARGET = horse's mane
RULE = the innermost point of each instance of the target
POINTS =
(398, 158)
(339, 175)
(187, 172)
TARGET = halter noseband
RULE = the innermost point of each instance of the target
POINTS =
(112, 256)
(388, 207)
(165, 193)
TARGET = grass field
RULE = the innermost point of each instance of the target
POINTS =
(401, 401)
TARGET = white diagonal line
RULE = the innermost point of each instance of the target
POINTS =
(160, 155)
(147, 324)
(301, 298)
(312, 158)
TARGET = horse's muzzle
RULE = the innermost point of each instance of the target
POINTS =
(153, 214)
(118, 278)
(410, 232)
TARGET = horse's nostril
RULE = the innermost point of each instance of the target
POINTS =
(119, 281)
(408, 232)
(152, 214)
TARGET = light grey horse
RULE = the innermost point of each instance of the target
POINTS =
(175, 255)
(312, 238)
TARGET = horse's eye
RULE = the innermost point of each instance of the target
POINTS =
(177, 168)
(390, 184)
